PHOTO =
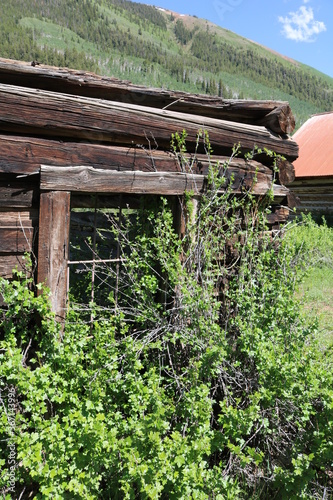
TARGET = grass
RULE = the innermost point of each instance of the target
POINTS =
(57, 37)
(314, 243)
(316, 294)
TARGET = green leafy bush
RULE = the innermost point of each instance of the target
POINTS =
(200, 382)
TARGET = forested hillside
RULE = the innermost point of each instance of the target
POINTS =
(158, 48)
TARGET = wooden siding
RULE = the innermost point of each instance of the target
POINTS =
(314, 195)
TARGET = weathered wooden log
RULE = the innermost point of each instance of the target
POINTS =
(59, 115)
(53, 243)
(24, 155)
(18, 218)
(292, 200)
(279, 215)
(275, 115)
(15, 193)
(90, 180)
(280, 119)
(16, 240)
(286, 172)
(10, 262)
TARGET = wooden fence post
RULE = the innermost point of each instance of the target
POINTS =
(53, 244)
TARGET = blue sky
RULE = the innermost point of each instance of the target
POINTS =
(300, 29)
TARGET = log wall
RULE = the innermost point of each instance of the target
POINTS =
(65, 135)
(315, 196)
(18, 222)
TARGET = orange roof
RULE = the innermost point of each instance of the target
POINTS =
(315, 140)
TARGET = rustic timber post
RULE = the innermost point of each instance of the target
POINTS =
(53, 244)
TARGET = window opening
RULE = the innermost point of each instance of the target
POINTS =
(94, 258)
(99, 244)
(102, 280)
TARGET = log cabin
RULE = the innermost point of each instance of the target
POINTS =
(313, 183)
(68, 137)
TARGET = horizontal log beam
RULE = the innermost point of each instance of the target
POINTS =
(275, 115)
(85, 179)
(312, 183)
(90, 180)
(45, 113)
(24, 155)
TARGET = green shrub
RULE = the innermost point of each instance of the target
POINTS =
(200, 382)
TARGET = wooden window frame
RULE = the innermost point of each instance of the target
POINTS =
(58, 183)
(56, 186)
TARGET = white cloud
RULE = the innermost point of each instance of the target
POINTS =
(301, 25)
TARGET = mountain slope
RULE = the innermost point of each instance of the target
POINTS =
(158, 48)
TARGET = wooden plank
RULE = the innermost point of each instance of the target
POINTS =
(53, 114)
(319, 181)
(276, 115)
(16, 239)
(321, 197)
(90, 180)
(314, 205)
(15, 196)
(19, 218)
(54, 218)
(10, 262)
(315, 190)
